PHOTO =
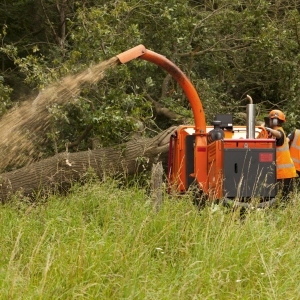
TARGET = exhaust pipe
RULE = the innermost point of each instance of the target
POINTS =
(250, 119)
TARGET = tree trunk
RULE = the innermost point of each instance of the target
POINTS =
(59, 171)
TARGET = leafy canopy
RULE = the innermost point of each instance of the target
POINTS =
(227, 48)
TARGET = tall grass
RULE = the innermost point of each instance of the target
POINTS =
(102, 242)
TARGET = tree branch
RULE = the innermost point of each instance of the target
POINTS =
(161, 110)
(212, 49)
(164, 89)
(81, 137)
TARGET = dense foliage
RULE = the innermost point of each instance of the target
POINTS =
(227, 48)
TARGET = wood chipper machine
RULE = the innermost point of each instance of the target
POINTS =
(224, 162)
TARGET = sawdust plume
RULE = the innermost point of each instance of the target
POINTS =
(26, 125)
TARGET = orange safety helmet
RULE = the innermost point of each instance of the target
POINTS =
(277, 114)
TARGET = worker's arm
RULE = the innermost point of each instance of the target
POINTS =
(291, 136)
(274, 132)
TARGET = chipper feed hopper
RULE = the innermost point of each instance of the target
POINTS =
(223, 162)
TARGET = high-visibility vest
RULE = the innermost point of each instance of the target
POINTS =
(285, 167)
(295, 149)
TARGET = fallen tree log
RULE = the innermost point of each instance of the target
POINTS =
(62, 169)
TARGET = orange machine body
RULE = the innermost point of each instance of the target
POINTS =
(233, 166)
(236, 166)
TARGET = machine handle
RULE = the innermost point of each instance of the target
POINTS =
(263, 134)
(236, 168)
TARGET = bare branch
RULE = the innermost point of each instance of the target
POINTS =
(49, 22)
(161, 110)
(165, 84)
(213, 49)
(81, 137)
(202, 21)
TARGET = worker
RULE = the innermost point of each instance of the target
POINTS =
(294, 141)
(285, 169)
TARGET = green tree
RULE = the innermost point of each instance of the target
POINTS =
(227, 48)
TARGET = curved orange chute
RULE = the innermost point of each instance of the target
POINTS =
(160, 60)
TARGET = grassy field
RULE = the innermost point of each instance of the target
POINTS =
(102, 242)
